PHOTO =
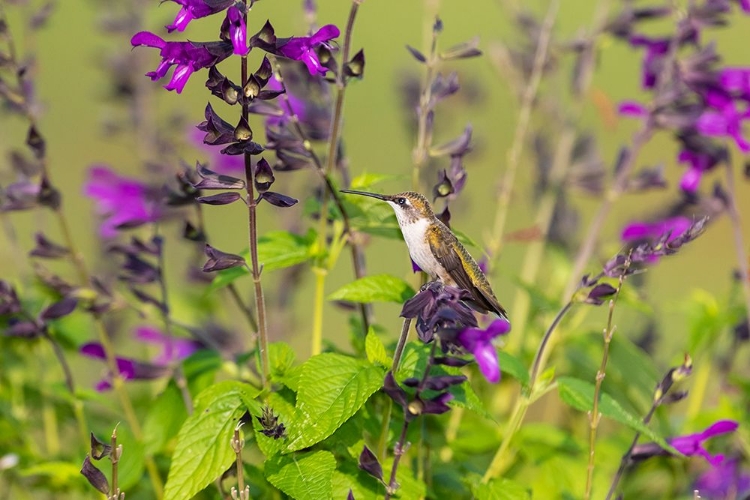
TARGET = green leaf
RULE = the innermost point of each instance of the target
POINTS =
(465, 397)
(376, 288)
(282, 404)
(276, 250)
(57, 474)
(302, 475)
(165, 416)
(332, 388)
(500, 489)
(579, 394)
(367, 180)
(203, 452)
(514, 367)
(375, 349)
(281, 356)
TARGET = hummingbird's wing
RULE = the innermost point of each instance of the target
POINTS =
(456, 260)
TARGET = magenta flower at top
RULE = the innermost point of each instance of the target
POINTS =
(195, 9)
(124, 202)
(303, 48)
(187, 57)
(722, 480)
(692, 444)
(479, 343)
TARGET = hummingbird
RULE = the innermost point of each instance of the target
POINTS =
(437, 251)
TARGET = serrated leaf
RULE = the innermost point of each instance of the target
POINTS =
(302, 475)
(332, 388)
(579, 394)
(465, 397)
(376, 288)
(375, 349)
(500, 489)
(276, 250)
(514, 367)
(203, 452)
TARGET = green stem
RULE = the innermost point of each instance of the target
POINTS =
(401, 344)
(317, 332)
(519, 137)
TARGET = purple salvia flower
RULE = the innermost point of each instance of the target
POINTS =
(237, 31)
(195, 9)
(479, 343)
(699, 163)
(723, 480)
(129, 369)
(692, 444)
(676, 226)
(303, 48)
(188, 57)
(656, 50)
(723, 118)
(123, 201)
(173, 349)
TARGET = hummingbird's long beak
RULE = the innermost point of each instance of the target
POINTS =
(365, 193)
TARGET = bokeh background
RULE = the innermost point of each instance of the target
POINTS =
(74, 87)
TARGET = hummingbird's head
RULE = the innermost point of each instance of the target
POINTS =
(409, 206)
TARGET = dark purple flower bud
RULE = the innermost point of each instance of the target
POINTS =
(195, 9)
(463, 50)
(49, 196)
(192, 233)
(416, 54)
(355, 68)
(457, 173)
(36, 143)
(212, 180)
(59, 309)
(21, 195)
(124, 202)
(278, 199)
(263, 176)
(24, 329)
(304, 48)
(47, 249)
(479, 343)
(443, 188)
(137, 270)
(648, 178)
(94, 476)
(188, 57)
(219, 199)
(653, 61)
(599, 293)
(443, 87)
(218, 131)
(368, 462)
(437, 306)
(436, 383)
(270, 425)
(435, 406)
(9, 303)
(394, 391)
(350, 495)
(451, 361)
(218, 260)
(99, 449)
(147, 298)
(241, 148)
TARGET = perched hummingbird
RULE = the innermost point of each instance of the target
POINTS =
(435, 249)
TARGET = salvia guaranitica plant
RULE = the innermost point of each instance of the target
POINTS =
(223, 331)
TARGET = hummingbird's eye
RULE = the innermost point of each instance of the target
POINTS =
(401, 201)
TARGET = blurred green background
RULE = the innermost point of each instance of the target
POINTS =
(74, 89)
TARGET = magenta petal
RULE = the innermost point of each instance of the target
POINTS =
(712, 123)
(486, 357)
(148, 39)
(327, 32)
(180, 78)
(500, 326)
(181, 21)
(414, 267)
(635, 231)
(720, 427)
(691, 179)
(632, 108)
(93, 350)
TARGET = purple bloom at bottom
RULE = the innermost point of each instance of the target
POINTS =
(479, 342)
(124, 202)
(722, 481)
(692, 444)
(303, 48)
(188, 57)
(173, 350)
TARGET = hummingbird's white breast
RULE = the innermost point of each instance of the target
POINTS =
(415, 236)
